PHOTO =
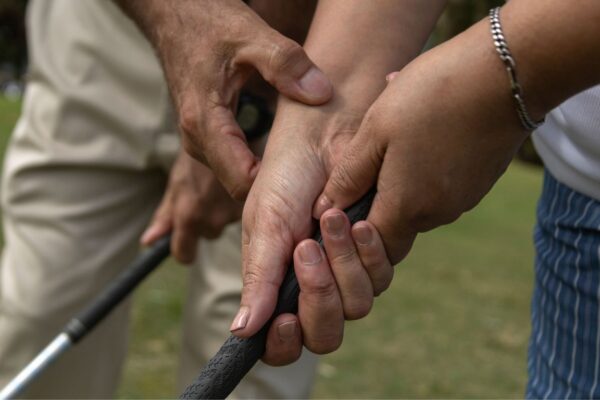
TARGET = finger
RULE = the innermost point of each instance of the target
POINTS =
(352, 279)
(222, 145)
(353, 176)
(265, 256)
(390, 216)
(373, 256)
(284, 341)
(161, 222)
(186, 230)
(284, 64)
(319, 305)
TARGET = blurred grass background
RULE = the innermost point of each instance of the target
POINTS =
(454, 324)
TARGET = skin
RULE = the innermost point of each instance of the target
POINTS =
(304, 145)
(444, 131)
(206, 62)
(195, 204)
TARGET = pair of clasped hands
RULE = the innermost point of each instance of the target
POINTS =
(432, 138)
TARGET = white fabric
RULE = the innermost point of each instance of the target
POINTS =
(569, 142)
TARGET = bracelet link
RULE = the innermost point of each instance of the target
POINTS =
(505, 55)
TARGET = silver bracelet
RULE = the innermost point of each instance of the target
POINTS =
(517, 92)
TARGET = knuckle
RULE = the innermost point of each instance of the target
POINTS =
(324, 344)
(320, 288)
(375, 261)
(343, 179)
(285, 54)
(358, 309)
(381, 287)
(255, 276)
(345, 257)
(251, 277)
(188, 119)
(182, 253)
(284, 357)
(190, 215)
(193, 147)
(239, 190)
(424, 213)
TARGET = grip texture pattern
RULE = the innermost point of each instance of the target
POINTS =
(237, 356)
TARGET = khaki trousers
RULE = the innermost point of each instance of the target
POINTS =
(86, 167)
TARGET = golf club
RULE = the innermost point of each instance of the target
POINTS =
(237, 356)
(95, 312)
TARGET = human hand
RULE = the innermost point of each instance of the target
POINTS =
(433, 143)
(336, 283)
(429, 160)
(303, 146)
(194, 205)
(306, 142)
(208, 50)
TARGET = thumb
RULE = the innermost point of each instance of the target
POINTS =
(266, 252)
(352, 177)
(284, 64)
(226, 151)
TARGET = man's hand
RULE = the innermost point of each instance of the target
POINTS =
(194, 205)
(208, 50)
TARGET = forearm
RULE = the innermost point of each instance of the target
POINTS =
(356, 43)
(555, 46)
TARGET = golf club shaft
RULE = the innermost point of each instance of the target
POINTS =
(95, 312)
(58, 346)
(237, 356)
(120, 288)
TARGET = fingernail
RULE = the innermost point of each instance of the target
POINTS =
(323, 204)
(240, 320)
(287, 331)
(362, 235)
(334, 224)
(147, 235)
(315, 83)
(389, 77)
(310, 253)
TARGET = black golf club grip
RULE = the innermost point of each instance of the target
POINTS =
(120, 288)
(237, 356)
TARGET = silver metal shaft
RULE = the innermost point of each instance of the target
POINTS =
(61, 343)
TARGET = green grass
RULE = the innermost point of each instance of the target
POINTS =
(9, 112)
(454, 323)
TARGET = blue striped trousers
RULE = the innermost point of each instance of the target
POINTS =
(564, 348)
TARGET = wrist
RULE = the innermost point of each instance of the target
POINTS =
(554, 47)
(308, 127)
(466, 74)
(151, 16)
